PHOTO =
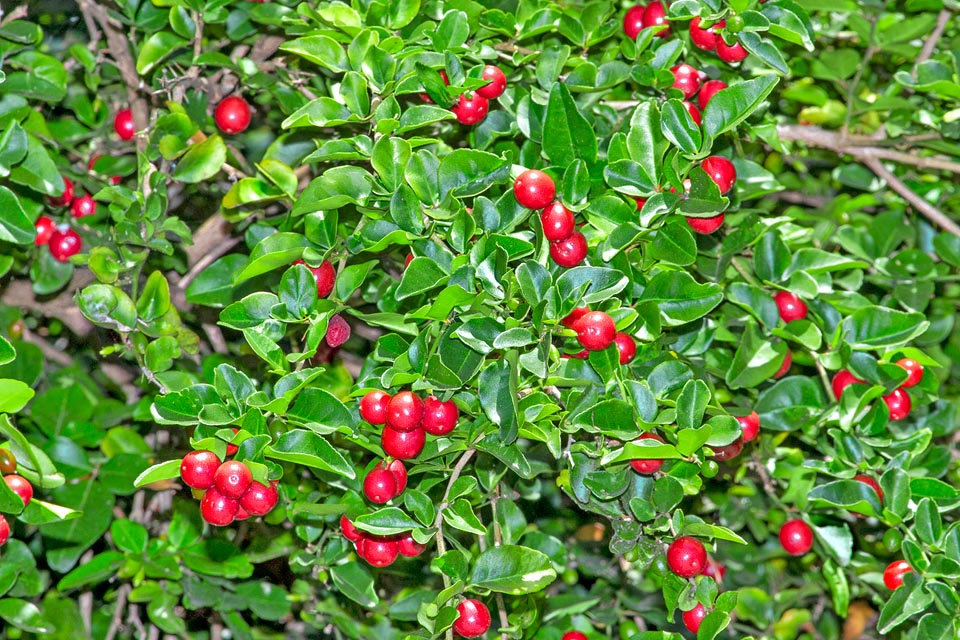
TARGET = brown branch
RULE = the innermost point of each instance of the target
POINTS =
(17, 13)
(931, 212)
(117, 620)
(931, 42)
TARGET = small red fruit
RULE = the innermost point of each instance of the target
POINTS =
(471, 109)
(715, 570)
(232, 478)
(721, 171)
(20, 486)
(349, 531)
(378, 551)
(198, 469)
(750, 425)
(842, 380)
(626, 346)
(65, 198)
(693, 618)
(708, 90)
(497, 85)
(534, 189)
(380, 486)
(730, 53)
(557, 221)
(242, 514)
(83, 206)
(782, 371)
(686, 557)
(570, 252)
(705, 39)
(595, 330)
(655, 15)
(796, 537)
(123, 124)
(649, 466)
(439, 418)
(399, 472)
(790, 305)
(409, 547)
(571, 318)
(640, 202)
(4, 530)
(686, 79)
(706, 226)
(913, 368)
(898, 402)
(404, 411)
(574, 635)
(325, 275)
(473, 620)
(373, 407)
(893, 574)
(232, 115)
(259, 499)
(232, 448)
(338, 331)
(64, 244)
(694, 112)
(633, 21)
(729, 451)
(403, 444)
(8, 461)
(870, 482)
(218, 509)
(44, 227)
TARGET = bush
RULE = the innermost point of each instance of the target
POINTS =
(533, 316)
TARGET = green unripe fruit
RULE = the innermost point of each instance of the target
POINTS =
(892, 540)
(709, 469)
(734, 24)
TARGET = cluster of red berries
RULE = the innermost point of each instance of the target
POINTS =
(380, 551)
(687, 558)
(472, 108)
(898, 401)
(534, 189)
(18, 484)
(690, 81)
(596, 331)
(230, 492)
(407, 420)
(724, 175)
(642, 17)
(654, 14)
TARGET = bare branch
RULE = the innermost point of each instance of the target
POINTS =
(931, 42)
(931, 212)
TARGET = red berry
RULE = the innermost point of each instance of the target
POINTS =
(399, 472)
(378, 551)
(218, 509)
(708, 90)
(782, 371)
(4, 530)
(791, 306)
(715, 570)
(439, 418)
(633, 21)
(705, 39)
(750, 425)
(259, 499)
(83, 206)
(472, 109)
(557, 221)
(693, 618)
(796, 537)
(409, 547)
(408, 260)
(686, 79)
(842, 380)
(373, 407)
(338, 331)
(721, 171)
(198, 469)
(893, 574)
(571, 318)
(473, 620)
(497, 85)
(730, 53)
(64, 244)
(574, 635)
(403, 444)
(626, 346)
(570, 252)
(595, 330)
(232, 448)
(380, 486)
(325, 275)
(706, 226)
(870, 482)
(534, 189)
(404, 411)
(232, 115)
(242, 514)
(649, 466)
(123, 124)
(349, 531)
(694, 112)
(66, 197)
(232, 478)
(655, 15)
(443, 76)
(913, 368)
(640, 202)
(686, 557)
(44, 227)
(20, 486)
(728, 451)
(898, 402)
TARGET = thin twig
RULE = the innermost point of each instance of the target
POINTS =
(118, 612)
(931, 42)
(17, 13)
(931, 212)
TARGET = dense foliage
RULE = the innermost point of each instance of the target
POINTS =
(409, 318)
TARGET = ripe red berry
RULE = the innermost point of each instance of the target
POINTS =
(64, 244)
(349, 531)
(218, 509)
(378, 551)
(705, 39)
(715, 570)
(198, 469)
(325, 275)
(83, 206)
(557, 221)
(338, 331)
(649, 466)
(708, 90)
(404, 411)
(232, 448)
(633, 21)
(782, 371)
(870, 482)
(706, 226)
(44, 227)
(20, 486)
(574, 635)
(571, 318)
(694, 112)
(473, 620)
(232, 478)
(259, 499)
(640, 202)
(534, 189)
(693, 618)
(409, 547)
(893, 574)
(595, 330)
(123, 124)
(65, 198)
(750, 425)
(471, 109)
(380, 486)
(439, 418)
(898, 402)
(403, 444)
(686, 557)
(373, 407)
(796, 537)
(399, 472)
(721, 171)
(790, 305)
(655, 15)
(242, 514)
(730, 53)
(626, 346)
(842, 380)
(4, 530)
(570, 252)
(232, 115)
(728, 451)
(498, 83)
(686, 79)
(913, 368)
